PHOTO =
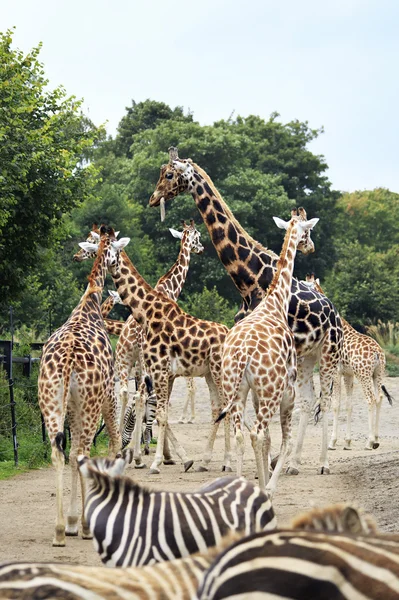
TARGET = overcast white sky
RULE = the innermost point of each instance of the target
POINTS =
(334, 63)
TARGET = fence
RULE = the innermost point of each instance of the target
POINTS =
(22, 430)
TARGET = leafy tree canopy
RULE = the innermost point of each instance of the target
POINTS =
(44, 141)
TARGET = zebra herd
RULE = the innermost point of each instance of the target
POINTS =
(219, 542)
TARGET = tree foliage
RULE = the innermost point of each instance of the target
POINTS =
(51, 158)
(44, 140)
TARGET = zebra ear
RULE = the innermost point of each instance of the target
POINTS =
(351, 520)
(82, 466)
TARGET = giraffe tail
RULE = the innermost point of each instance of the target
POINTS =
(387, 394)
(60, 439)
(239, 365)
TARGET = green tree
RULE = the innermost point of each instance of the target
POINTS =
(44, 145)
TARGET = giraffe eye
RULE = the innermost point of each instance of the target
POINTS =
(169, 175)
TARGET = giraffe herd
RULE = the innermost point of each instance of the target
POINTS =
(283, 328)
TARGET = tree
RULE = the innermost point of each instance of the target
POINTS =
(44, 145)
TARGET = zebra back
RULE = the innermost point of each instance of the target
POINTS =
(169, 580)
(306, 566)
(134, 526)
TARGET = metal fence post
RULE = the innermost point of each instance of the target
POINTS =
(13, 422)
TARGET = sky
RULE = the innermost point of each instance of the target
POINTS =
(333, 63)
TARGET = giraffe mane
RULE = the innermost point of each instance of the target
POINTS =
(280, 262)
(230, 215)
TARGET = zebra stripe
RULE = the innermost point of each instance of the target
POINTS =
(177, 579)
(149, 418)
(304, 565)
(134, 526)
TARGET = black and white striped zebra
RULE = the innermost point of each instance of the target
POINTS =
(149, 418)
(134, 526)
(305, 565)
(168, 580)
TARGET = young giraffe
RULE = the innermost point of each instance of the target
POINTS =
(363, 358)
(109, 303)
(259, 354)
(175, 344)
(314, 321)
(171, 283)
(77, 378)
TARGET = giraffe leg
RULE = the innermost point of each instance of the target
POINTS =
(183, 416)
(286, 410)
(336, 402)
(215, 410)
(72, 516)
(192, 400)
(348, 381)
(58, 461)
(135, 443)
(307, 399)
(258, 444)
(329, 363)
(368, 391)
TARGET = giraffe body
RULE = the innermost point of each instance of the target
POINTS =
(259, 354)
(176, 344)
(362, 357)
(76, 379)
(312, 318)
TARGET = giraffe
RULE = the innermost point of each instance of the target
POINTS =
(76, 378)
(363, 358)
(175, 344)
(312, 317)
(171, 283)
(109, 303)
(259, 354)
(190, 400)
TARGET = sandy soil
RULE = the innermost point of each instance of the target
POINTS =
(370, 478)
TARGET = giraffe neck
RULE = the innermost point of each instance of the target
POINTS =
(144, 302)
(280, 288)
(91, 299)
(107, 306)
(172, 282)
(245, 259)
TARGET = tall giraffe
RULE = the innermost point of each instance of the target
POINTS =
(175, 344)
(363, 358)
(313, 319)
(76, 378)
(259, 354)
(171, 283)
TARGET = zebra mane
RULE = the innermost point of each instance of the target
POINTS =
(109, 474)
(342, 518)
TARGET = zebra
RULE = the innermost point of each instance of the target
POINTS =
(308, 562)
(164, 581)
(149, 418)
(134, 526)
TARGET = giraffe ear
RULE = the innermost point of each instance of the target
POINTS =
(117, 233)
(280, 223)
(308, 224)
(119, 244)
(175, 233)
(88, 246)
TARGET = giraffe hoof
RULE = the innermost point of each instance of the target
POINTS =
(292, 471)
(368, 447)
(201, 469)
(332, 448)
(188, 465)
(324, 471)
(87, 536)
(169, 461)
(347, 447)
(140, 466)
(375, 445)
(58, 543)
(71, 531)
(154, 471)
(227, 469)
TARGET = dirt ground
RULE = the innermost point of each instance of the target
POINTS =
(369, 478)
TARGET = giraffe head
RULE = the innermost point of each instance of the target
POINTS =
(174, 179)
(298, 218)
(89, 248)
(190, 236)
